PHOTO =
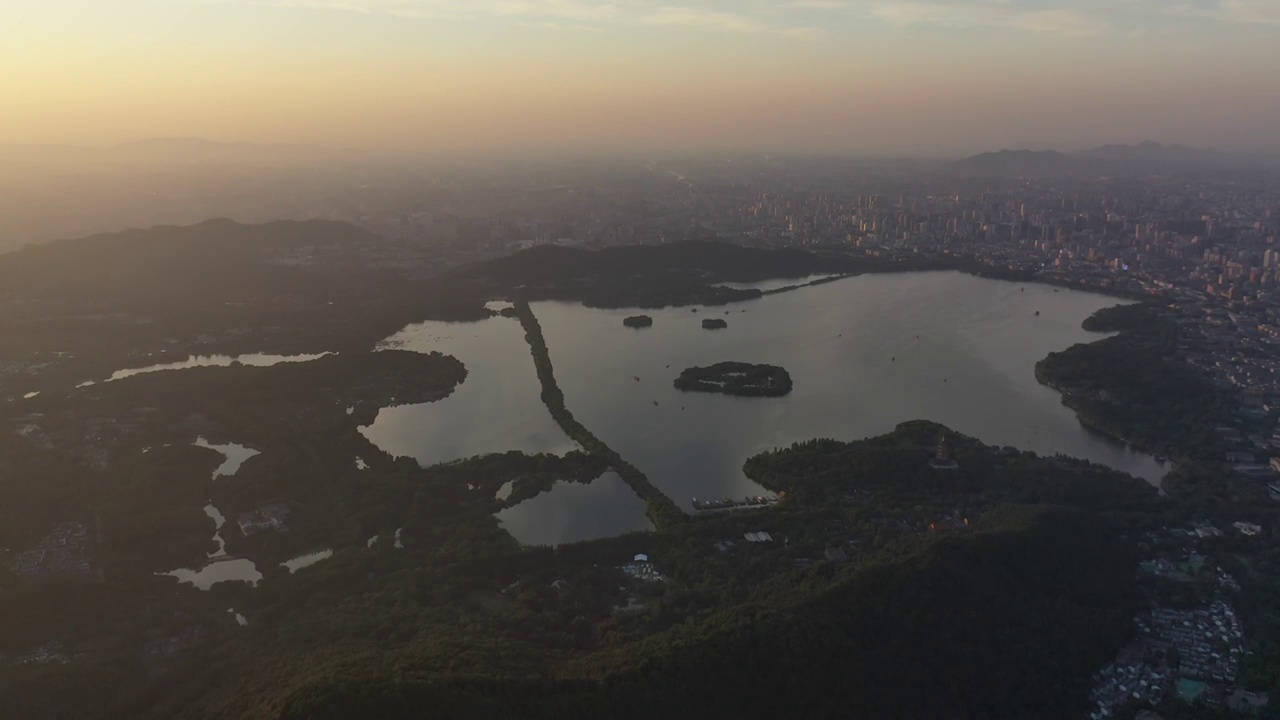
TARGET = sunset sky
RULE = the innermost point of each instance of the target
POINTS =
(926, 76)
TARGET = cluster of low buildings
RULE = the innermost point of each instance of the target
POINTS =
(1237, 349)
(1131, 677)
(641, 569)
(1247, 529)
(1202, 530)
(28, 427)
(1191, 653)
(1209, 639)
(47, 654)
(1195, 653)
(273, 517)
(17, 368)
(158, 651)
(64, 551)
(724, 546)
(1182, 570)
(1254, 447)
(731, 504)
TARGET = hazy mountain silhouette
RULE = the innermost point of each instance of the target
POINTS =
(1040, 145)
(1146, 156)
(1153, 152)
(1015, 162)
(169, 261)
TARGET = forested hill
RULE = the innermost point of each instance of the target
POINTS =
(81, 307)
(890, 587)
(991, 590)
(716, 262)
(167, 263)
(1131, 387)
(1006, 622)
(648, 275)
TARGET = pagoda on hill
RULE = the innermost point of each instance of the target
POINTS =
(942, 459)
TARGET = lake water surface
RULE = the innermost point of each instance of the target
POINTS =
(221, 568)
(306, 561)
(775, 283)
(227, 570)
(572, 512)
(864, 353)
(194, 361)
(235, 456)
(498, 408)
(218, 521)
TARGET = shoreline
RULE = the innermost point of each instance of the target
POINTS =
(1154, 450)
(1065, 396)
(661, 510)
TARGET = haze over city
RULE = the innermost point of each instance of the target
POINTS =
(924, 77)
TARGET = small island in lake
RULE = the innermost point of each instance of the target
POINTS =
(714, 324)
(638, 321)
(736, 378)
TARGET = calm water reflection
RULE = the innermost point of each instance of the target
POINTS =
(776, 283)
(865, 354)
(218, 521)
(498, 408)
(230, 570)
(306, 561)
(251, 359)
(572, 512)
(235, 456)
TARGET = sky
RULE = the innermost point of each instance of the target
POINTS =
(493, 76)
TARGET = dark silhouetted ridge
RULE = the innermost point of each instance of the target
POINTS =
(1147, 156)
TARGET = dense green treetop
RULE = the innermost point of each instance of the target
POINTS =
(736, 378)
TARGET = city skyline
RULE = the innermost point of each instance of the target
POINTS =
(923, 77)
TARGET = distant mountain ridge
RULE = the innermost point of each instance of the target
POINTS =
(1001, 162)
(646, 276)
(164, 262)
(1146, 156)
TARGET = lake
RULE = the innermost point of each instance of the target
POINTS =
(234, 455)
(776, 283)
(572, 512)
(194, 361)
(498, 408)
(220, 571)
(218, 521)
(221, 568)
(864, 353)
(306, 561)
